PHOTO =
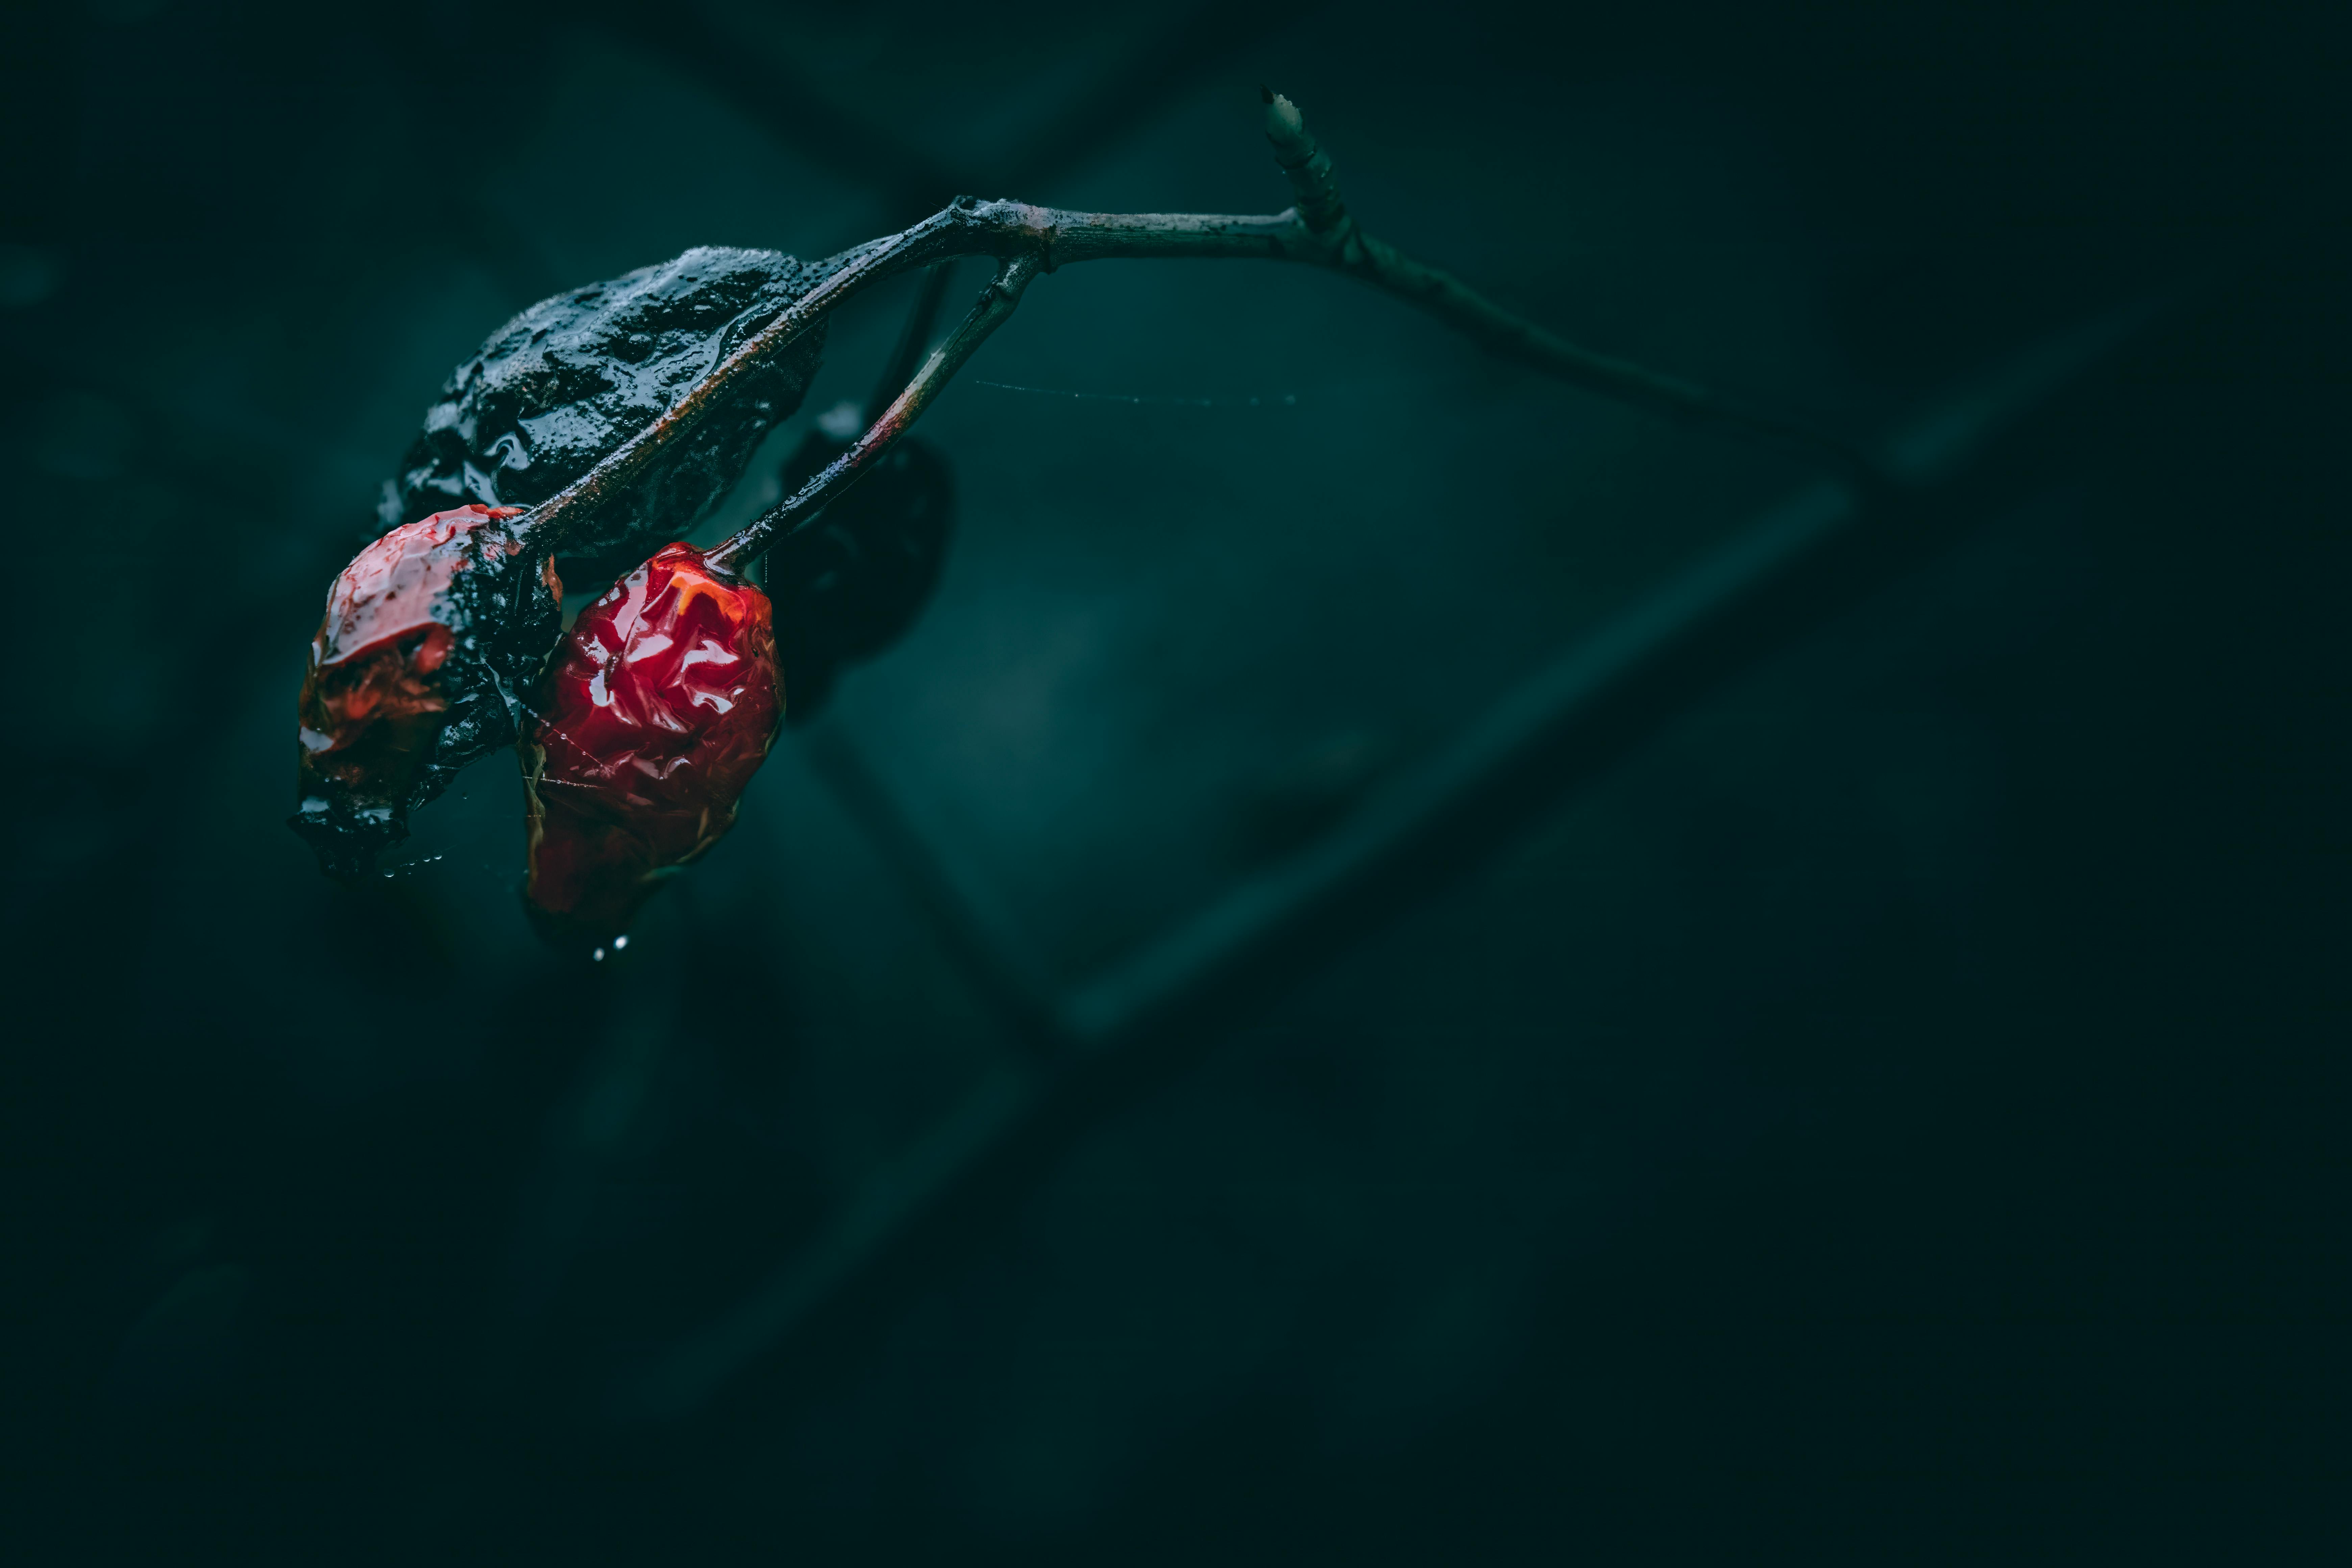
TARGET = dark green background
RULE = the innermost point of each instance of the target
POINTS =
(1896, 1111)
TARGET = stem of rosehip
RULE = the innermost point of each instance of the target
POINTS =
(916, 336)
(992, 309)
(553, 519)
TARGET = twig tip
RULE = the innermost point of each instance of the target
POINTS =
(1283, 124)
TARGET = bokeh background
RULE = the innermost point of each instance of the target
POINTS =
(1870, 1084)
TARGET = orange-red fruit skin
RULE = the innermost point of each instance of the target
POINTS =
(376, 694)
(382, 637)
(657, 710)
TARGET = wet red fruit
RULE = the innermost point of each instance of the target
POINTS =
(382, 691)
(657, 710)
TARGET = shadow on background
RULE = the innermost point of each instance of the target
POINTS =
(1886, 1102)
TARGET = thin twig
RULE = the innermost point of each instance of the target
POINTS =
(1318, 232)
(1349, 250)
(914, 336)
(851, 273)
(992, 309)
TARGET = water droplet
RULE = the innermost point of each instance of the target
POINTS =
(619, 943)
(600, 956)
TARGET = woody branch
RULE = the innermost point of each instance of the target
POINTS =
(1026, 239)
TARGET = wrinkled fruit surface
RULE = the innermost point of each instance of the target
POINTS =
(657, 712)
(402, 688)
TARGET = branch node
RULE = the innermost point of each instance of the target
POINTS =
(1311, 180)
(997, 299)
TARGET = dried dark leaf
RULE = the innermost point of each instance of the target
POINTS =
(570, 379)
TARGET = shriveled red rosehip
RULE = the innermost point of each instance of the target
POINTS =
(655, 712)
(429, 635)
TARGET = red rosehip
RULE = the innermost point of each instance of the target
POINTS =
(657, 710)
(386, 713)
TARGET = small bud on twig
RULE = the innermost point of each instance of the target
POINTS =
(1311, 179)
